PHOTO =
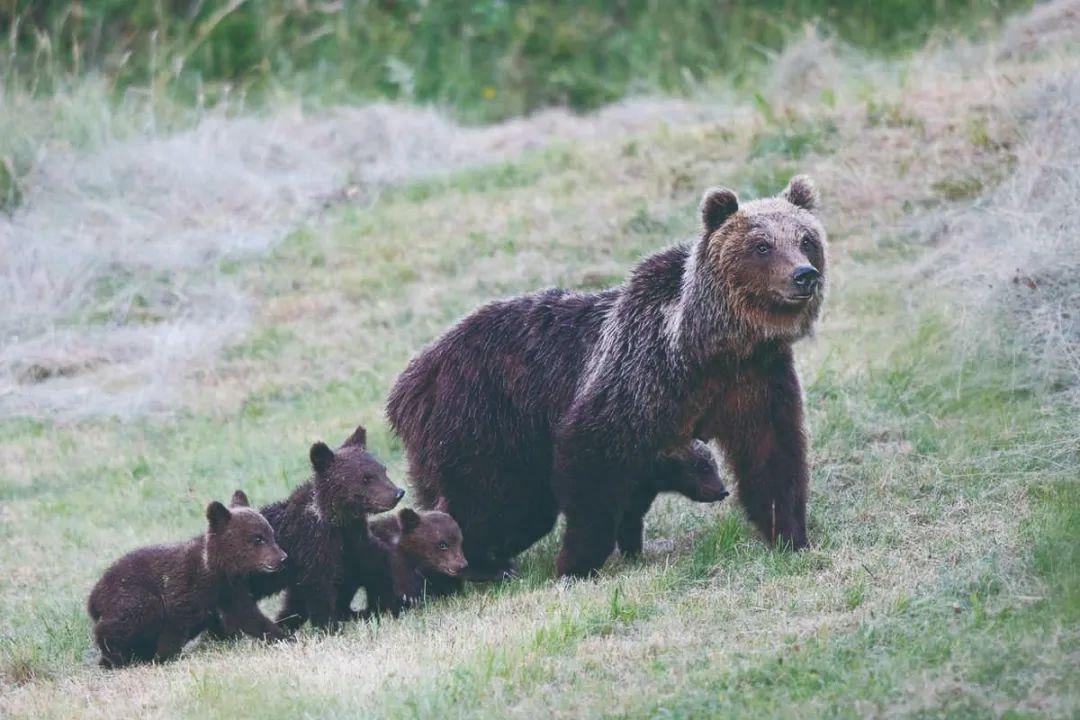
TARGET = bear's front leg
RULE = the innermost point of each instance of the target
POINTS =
(631, 534)
(759, 425)
(241, 612)
(320, 600)
(346, 591)
(588, 541)
(293, 613)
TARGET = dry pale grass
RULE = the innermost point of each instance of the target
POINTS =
(115, 272)
(1049, 26)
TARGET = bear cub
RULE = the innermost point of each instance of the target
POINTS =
(416, 546)
(690, 471)
(323, 527)
(153, 600)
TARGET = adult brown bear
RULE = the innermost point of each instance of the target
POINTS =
(562, 401)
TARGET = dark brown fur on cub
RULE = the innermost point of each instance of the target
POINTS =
(323, 527)
(559, 401)
(690, 471)
(415, 546)
(150, 602)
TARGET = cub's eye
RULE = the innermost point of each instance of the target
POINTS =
(807, 243)
(367, 479)
(260, 540)
(443, 545)
(762, 248)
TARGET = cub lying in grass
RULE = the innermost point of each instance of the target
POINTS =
(150, 602)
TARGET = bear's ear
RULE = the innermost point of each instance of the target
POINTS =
(239, 499)
(409, 519)
(358, 438)
(717, 205)
(801, 192)
(218, 515)
(443, 505)
(321, 457)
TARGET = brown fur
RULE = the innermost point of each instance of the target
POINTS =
(691, 472)
(150, 602)
(323, 527)
(560, 401)
(416, 546)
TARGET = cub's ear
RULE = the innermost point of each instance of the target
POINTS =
(239, 499)
(409, 520)
(321, 457)
(358, 438)
(218, 515)
(443, 505)
(801, 192)
(717, 205)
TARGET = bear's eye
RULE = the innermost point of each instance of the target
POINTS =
(762, 248)
(367, 479)
(443, 545)
(260, 540)
(807, 242)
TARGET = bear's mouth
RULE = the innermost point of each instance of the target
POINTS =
(452, 571)
(795, 299)
(379, 507)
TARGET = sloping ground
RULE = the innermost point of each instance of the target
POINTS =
(115, 272)
(942, 399)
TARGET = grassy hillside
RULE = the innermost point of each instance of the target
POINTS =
(941, 389)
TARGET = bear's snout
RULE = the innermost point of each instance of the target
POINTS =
(806, 279)
(714, 494)
(276, 565)
(457, 566)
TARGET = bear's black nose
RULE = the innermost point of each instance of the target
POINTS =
(806, 278)
(400, 494)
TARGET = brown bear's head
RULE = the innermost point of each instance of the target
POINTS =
(692, 472)
(432, 540)
(239, 541)
(350, 482)
(769, 257)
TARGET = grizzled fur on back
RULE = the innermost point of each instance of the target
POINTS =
(559, 401)
(150, 602)
(322, 526)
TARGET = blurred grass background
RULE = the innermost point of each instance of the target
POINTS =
(483, 61)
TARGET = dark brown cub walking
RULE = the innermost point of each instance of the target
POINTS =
(150, 602)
